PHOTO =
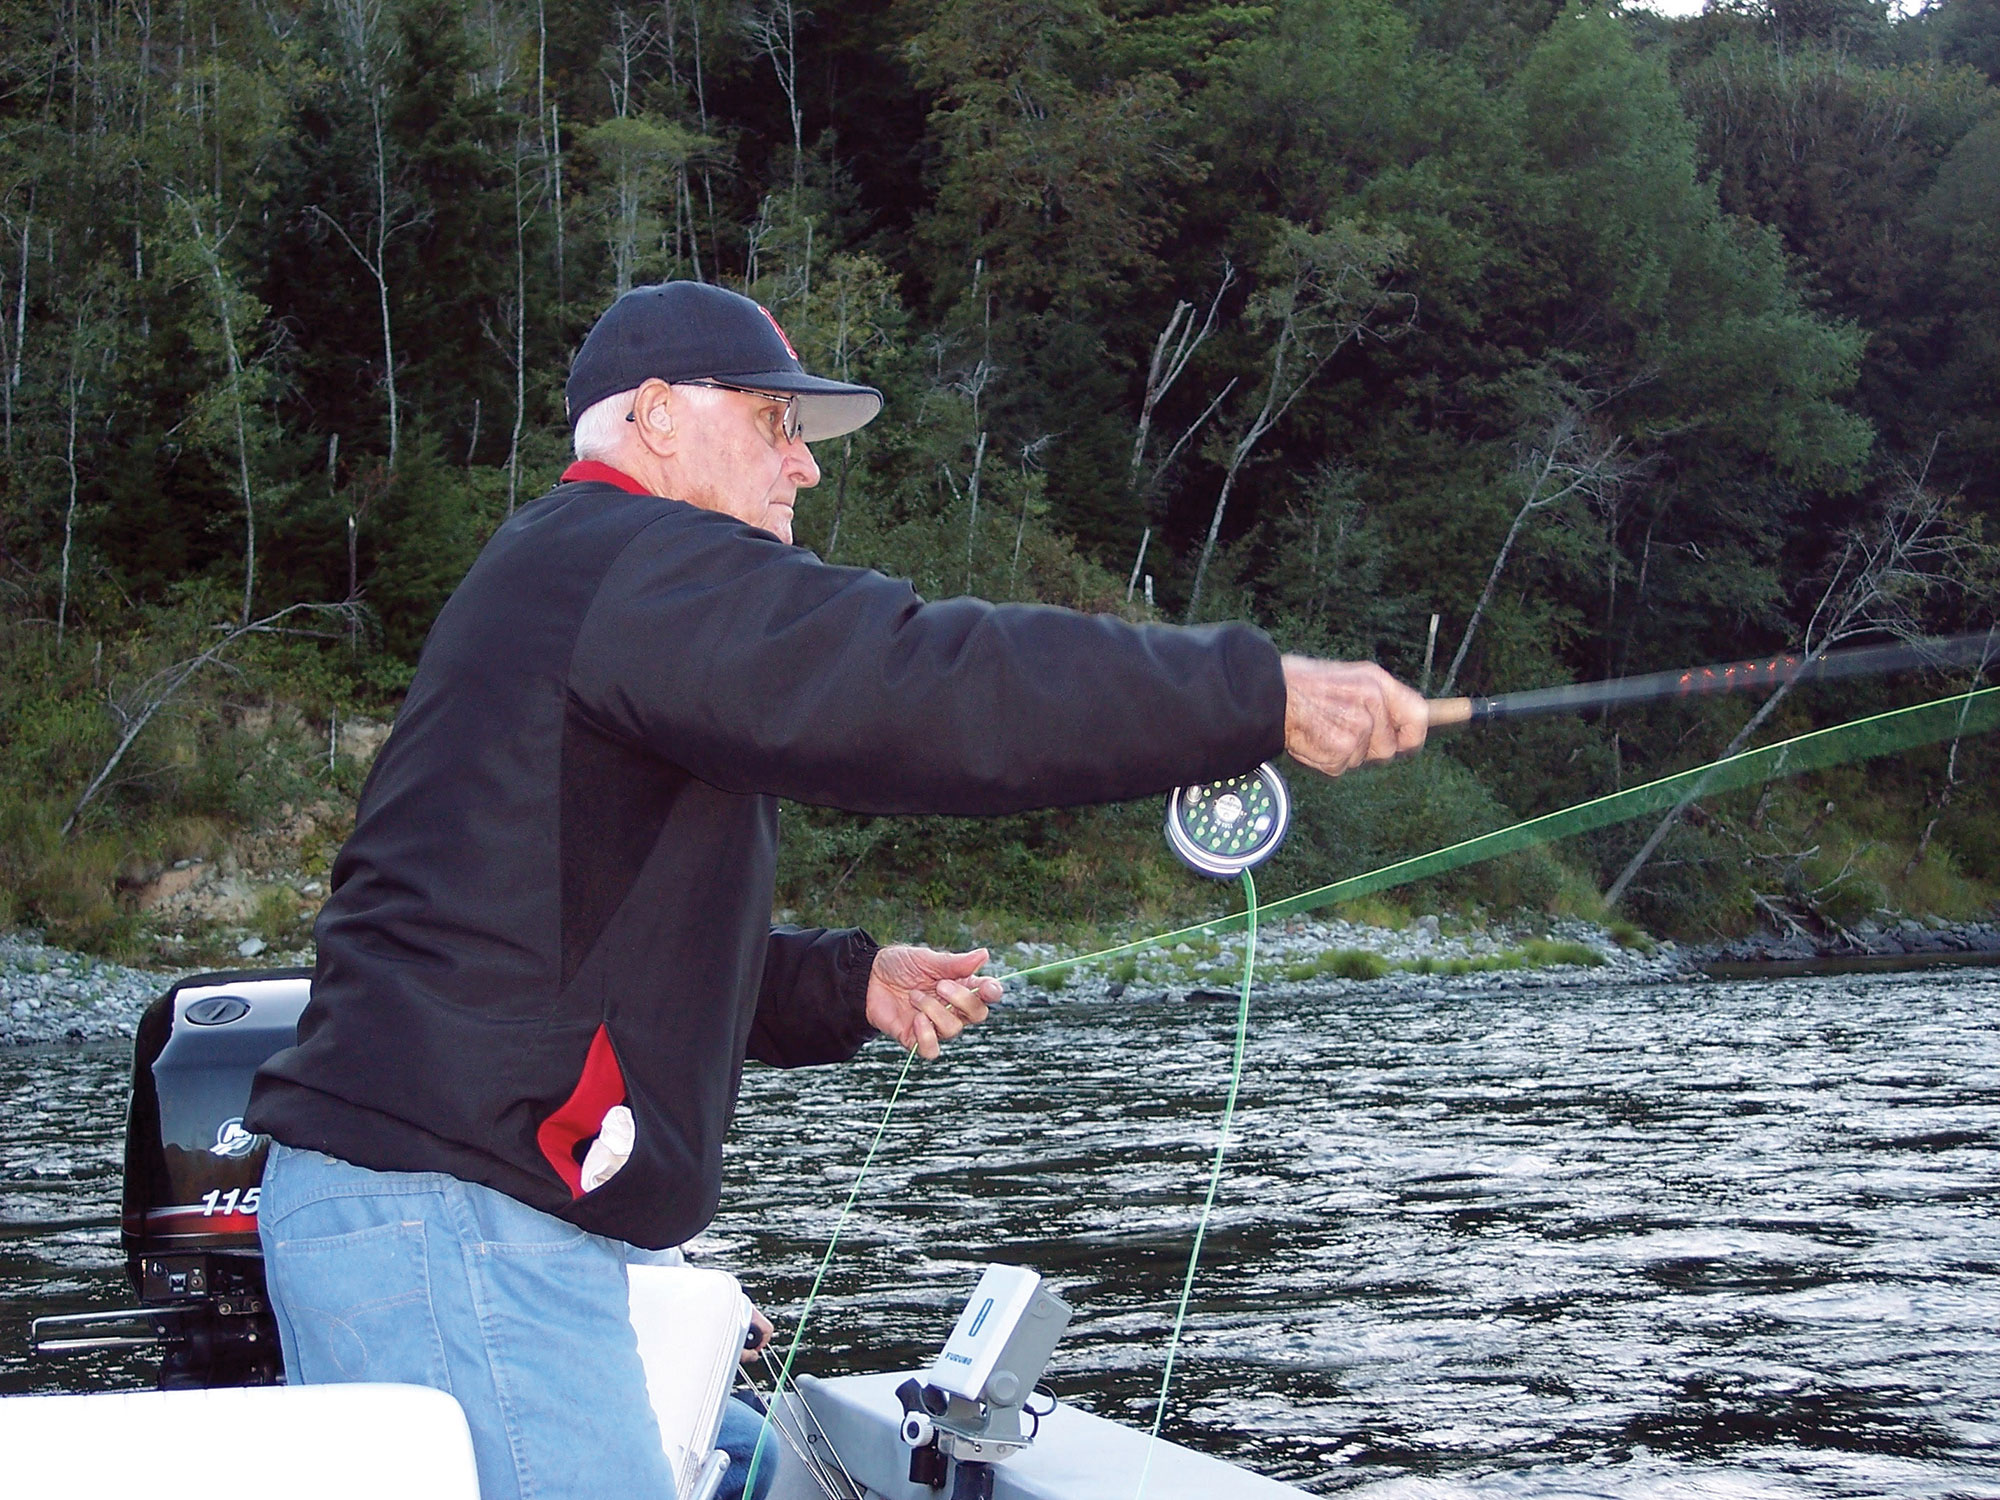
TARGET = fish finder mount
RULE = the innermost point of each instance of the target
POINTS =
(969, 1408)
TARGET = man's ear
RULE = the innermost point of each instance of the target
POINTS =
(653, 415)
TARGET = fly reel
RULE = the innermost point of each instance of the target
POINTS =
(1222, 828)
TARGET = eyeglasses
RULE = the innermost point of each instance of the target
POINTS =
(789, 421)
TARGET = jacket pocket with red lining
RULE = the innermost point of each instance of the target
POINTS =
(601, 1087)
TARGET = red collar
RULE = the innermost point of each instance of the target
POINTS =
(591, 469)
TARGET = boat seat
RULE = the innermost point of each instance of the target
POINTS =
(691, 1324)
(188, 1445)
(322, 1442)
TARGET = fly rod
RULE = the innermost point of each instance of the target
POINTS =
(1223, 828)
(1756, 676)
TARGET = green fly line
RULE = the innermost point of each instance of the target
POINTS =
(812, 1296)
(1861, 739)
(1214, 1174)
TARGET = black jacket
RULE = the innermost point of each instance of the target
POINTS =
(557, 894)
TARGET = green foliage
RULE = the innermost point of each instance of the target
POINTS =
(277, 917)
(1361, 822)
(981, 879)
(290, 292)
(1353, 963)
(1631, 935)
(1548, 953)
(1337, 965)
(1375, 911)
(236, 749)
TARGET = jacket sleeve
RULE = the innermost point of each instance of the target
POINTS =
(761, 669)
(812, 1005)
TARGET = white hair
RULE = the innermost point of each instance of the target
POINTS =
(600, 431)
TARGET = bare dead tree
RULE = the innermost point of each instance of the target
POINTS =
(13, 338)
(758, 231)
(143, 704)
(507, 331)
(75, 381)
(1943, 803)
(524, 212)
(1571, 457)
(774, 31)
(1878, 582)
(856, 330)
(207, 241)
(1031, 465)
(1321, 291)
(701, 119)
(973, 386)
(369, 47)
(1172, 350)
(501, 29)
(633, 39)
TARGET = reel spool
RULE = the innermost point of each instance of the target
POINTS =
(1222, 828)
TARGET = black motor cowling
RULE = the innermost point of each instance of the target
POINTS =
(192, 1173)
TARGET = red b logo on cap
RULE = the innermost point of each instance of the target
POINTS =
(778, 331)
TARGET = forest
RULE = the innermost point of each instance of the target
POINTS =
(1506, 342)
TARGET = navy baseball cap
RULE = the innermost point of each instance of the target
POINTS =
(689, 330)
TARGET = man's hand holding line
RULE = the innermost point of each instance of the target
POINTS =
(922, 997)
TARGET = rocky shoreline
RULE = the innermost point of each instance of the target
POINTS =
(1336, 953)
(1903, 938)
(51, 995)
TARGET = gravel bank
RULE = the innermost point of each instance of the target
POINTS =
(49, 994)
(1286, 948)
(1899, 938)
(52, 995)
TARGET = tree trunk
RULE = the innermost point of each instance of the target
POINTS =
(75, 394)
(211, 254)
(20, 320)
(520, 350)
(701, 114)
(1666, 824)
(1236, 460)
(1485, 597)
(555, 167)
(242, 435)
(972, 489)
(840, 495)
(1132, 584)
(381, 270)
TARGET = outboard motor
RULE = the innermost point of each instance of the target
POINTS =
(191, 1185)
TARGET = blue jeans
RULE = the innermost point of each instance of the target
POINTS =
(741, 1423)
(421, 1278)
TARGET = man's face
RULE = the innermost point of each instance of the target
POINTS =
(735, 458)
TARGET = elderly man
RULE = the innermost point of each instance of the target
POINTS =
(548, 950)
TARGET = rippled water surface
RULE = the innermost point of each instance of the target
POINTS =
(1700, 1240)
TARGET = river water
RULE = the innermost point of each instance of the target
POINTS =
(1735, 1240)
